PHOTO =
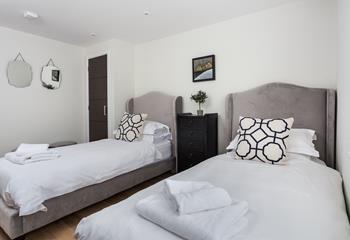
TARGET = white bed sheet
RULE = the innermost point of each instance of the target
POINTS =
(164, 150)
(27, 186)
(301, 200)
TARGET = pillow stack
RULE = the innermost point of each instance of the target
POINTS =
(134, 127)
(156, 132)
(300, 141)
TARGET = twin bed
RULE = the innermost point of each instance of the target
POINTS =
(85, 173)
(300, 200)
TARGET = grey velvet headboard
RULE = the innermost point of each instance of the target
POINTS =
(311, 108)
(160, 107)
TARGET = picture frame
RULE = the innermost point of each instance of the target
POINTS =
(203, 68)
(51, 76)
(55, 75)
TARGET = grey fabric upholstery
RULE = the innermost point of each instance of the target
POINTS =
(10, 221)
(160, 107)
(311, 108)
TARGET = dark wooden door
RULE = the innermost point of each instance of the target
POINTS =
(98, 124)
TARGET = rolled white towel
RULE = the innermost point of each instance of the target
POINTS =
(25, 148)
(202, 200)
(220, 224)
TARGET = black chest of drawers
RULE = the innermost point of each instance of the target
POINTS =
(197, 139)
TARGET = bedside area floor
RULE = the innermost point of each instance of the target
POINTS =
(64, 228)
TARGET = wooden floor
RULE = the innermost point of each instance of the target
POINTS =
(64, 229)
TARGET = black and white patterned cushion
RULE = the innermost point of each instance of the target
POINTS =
(263, 139)
(130, 127)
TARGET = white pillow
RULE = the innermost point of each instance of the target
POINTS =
(233, 144)
(300, 141)
(152, 127)
(157, 138)
(156, 132)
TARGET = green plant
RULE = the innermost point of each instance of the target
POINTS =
(199, 98)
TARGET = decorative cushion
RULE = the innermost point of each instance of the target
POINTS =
(300, 141)
(263, 139)
(130, 127)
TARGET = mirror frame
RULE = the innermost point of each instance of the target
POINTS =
(26, 66)
(47, 76)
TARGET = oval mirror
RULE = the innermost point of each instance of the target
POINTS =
(19, 73)
(51, 77)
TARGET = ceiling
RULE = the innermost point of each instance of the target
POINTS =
(73, 21)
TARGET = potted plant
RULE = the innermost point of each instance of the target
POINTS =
(199, 98)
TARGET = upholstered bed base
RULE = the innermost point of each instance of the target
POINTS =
(61, 206)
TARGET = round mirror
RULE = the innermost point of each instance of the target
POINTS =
(19, 74)
(51, 77)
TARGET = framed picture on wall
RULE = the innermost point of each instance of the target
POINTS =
(203, 68)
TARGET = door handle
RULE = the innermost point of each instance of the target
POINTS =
(104, 110)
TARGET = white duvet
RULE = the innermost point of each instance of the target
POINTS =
(302, 200)
(26, 187)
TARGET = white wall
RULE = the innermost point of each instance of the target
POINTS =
(293, 43)
(35, 114)
(343, 158)
(120, 58)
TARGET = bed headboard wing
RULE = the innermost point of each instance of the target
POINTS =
(311, 108)
(160, 107)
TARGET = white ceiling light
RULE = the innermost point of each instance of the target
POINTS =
(92, 34)
(30, 15)
(146, 13)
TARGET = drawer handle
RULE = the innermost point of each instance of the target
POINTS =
(191, 134)
(190, 144)
(104, 110)
(190, 155)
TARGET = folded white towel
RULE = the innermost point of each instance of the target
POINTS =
(45, 156)
(32, 157)
(220, 224)
(47, 153)
(202, 200)
(25, 148)
(173, 187)
(14, 158)
(196, 196)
